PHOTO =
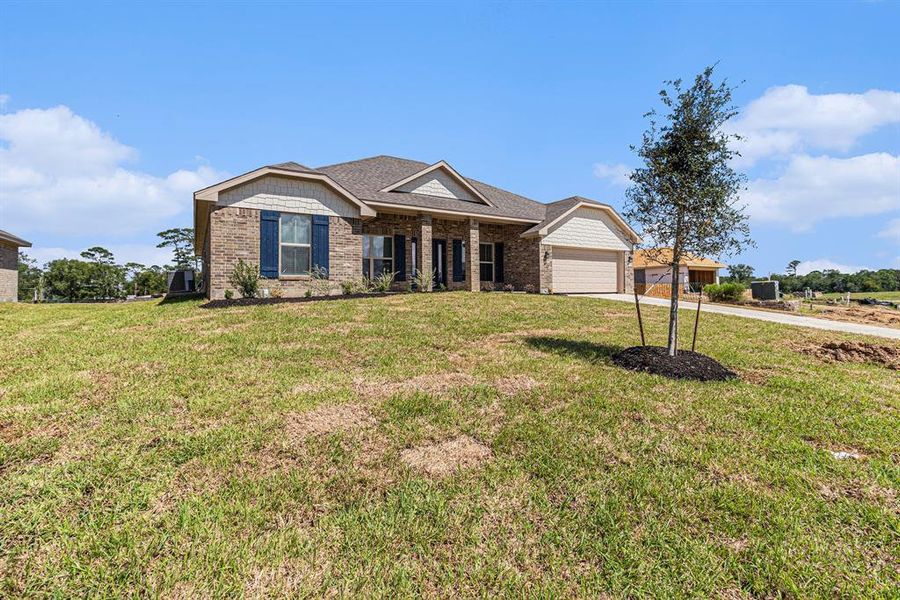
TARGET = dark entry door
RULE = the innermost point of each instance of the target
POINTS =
(439, 261)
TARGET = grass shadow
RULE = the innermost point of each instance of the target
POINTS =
(587, 351)
(176, 298)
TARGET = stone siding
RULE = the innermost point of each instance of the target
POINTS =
(9, 272)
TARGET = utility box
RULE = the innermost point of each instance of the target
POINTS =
(764, 290)
(181, 282)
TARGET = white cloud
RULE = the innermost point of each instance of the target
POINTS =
(823, 264)
(811, 189)
(61, 174)
(788, 119)
(146, 254)
(891, 231)
(4, 100)
(616, 174)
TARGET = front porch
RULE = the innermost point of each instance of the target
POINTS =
(461, 254)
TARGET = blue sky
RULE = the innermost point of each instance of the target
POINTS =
(111, 115)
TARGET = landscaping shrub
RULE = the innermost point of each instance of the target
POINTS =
(420, 281)
(725, 292)
(319, 285)
(381, 283)
(245, 277)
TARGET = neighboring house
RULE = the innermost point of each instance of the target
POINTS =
(386, 214)
(693, 272)
(9, 265)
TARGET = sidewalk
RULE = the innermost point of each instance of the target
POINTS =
(762, 315)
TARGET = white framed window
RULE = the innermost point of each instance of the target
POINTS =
(294, 248)
(378, 255)
(486, 261)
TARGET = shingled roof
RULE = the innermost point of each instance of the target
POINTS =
(14, 239)
(366, 178)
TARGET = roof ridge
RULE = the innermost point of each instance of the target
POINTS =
(347, 162)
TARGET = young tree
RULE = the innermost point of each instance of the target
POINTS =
(686, 194)
(181, 241)
(792, 268)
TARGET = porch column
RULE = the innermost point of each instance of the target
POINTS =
(424, 250)
(474, 271)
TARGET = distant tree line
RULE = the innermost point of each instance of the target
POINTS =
(829, 280)
(97, 276)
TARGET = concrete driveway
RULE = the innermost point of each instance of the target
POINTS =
(762, 315)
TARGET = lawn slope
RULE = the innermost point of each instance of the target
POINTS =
(439, 445)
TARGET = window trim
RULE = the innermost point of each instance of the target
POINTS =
(491, 262)
(281, 244)
(389, 243)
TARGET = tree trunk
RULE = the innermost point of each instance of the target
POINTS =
(673, 308)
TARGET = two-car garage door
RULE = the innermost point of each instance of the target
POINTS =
(582, 270)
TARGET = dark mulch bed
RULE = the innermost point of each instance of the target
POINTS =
(684, 365)
(259, 301)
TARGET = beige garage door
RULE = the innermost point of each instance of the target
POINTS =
(577, 270)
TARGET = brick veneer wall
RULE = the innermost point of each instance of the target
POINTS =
(234, 235)
(521, 256)
(9, 272)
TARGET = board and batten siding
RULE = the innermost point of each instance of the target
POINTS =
(588, 228)
(284, 194)
(438, 183)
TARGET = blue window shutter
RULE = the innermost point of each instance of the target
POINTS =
(498, 262)
(268, 244)
(320, 242)
(400, 257)
(458, 274)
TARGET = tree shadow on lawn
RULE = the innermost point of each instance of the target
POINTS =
(587, 351)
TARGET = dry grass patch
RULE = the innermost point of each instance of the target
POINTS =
(515, 384)
(428, 383)
(445, 458)
(856, 352)
(328, 419)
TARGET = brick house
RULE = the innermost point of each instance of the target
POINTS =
(386, 214)
(9, 265)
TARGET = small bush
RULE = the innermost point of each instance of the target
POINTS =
(529, 289)
(245, 277)
(319, 285)
(725, 292)
(420, 281)
(229, 294)
(382, 283)
(509, 287)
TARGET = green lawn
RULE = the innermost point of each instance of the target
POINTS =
(861, 295)
(171, 451)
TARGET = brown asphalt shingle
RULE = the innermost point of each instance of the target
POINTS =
(365, 178)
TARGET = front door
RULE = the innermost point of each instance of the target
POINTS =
(439, 262)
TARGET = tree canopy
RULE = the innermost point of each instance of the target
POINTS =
(686, 194)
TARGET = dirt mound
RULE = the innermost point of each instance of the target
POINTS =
(328, 419)
(856, 352)
(445, 458)
(684, 365)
